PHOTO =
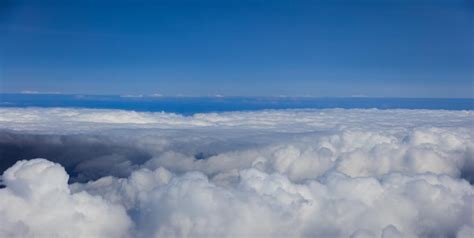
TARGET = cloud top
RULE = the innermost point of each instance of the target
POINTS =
(37, 202)
(277, 173)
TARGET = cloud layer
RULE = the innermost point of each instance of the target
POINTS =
(287, 173)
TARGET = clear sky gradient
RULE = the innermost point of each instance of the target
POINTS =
(394, 48)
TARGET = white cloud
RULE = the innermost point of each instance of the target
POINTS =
(270, 204)
(37, 202)
(289, 173)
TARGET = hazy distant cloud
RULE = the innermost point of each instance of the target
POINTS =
(156, 95)
(290, 173)
(132, 96)
(37, 92)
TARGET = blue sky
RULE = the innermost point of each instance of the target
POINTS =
(394, 48)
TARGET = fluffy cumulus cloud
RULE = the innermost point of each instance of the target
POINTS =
(37, 202)
(281, 173)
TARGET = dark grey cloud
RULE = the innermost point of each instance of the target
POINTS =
(85, 157)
